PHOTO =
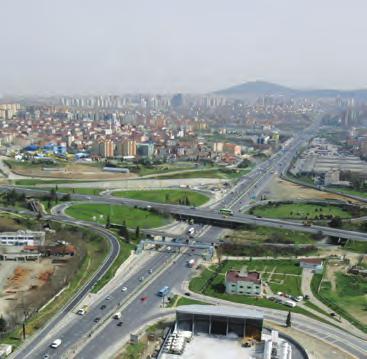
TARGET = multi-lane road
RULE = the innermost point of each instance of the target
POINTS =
(83, 337)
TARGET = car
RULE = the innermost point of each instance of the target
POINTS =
(150, 271)
(56, 343)
(144, 298)
(46, 356)
(108, 298)
(141, 278)
(96, 320)
(123, 289)
(119, 324)
(333, 314)
(188, 294)
(103, 306)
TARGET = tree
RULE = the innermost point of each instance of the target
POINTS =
(137, 232)
(336, 222)
(288, 321)
(108, 221)
(3, 324)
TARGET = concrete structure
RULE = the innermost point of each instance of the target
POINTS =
(22, 238)
(243, 282)
(220, 320)
(315, 264)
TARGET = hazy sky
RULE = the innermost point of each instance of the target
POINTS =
(120, 46)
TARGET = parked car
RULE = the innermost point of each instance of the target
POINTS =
(96, 320)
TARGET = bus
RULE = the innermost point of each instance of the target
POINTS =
(163, 292)
(226, 211)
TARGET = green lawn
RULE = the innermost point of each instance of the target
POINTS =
(356, 246)
(86, 191)
(188, 301)
(350, 191)
(32, 182)
(133, 217)
(295, 237)
(348, 298)
(286, 283)
(300, 211)
(227, 174)
(172, 196)
(283, 266)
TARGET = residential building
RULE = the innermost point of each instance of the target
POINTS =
(105, 148)
(127, 148)
(315, 264)
(243, 282)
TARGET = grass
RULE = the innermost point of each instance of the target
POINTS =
(125, 250)
(348, 299)
(282, 266)
(220, 173)
(86, 191)
(33, 182)
(93, 259)
(316, 308)
(133, 351)
(356, 246)
(171, 196)
(286, 284)
(350, 191)
(295, 237)
(118, 214)
(300, 211)
(188, 301)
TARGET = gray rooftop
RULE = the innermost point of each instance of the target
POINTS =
(221, 311)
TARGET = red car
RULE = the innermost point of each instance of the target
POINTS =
(144, 299)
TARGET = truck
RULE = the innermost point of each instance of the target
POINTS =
(190, 263)
(83, 310)
(117, 315)
(191, 231)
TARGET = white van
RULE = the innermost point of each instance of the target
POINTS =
(56, 343)
(117, 315)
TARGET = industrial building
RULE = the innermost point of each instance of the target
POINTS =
(216, 332)
(22, 238)
(220, 320)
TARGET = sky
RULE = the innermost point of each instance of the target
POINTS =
(52, 47)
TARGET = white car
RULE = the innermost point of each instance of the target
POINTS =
(56, 343)
(123, 289)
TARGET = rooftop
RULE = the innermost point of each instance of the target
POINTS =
(235, 276)
(220, 310)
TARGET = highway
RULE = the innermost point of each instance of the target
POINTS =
(107, 337)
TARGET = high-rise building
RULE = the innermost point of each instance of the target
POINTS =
(105, 148)
(127, 148)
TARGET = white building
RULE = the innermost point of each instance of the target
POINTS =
(22, 238)
(243, 282)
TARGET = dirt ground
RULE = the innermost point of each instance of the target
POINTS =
(281, 190)
(72, 171)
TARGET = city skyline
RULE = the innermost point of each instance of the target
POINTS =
(125, 47)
